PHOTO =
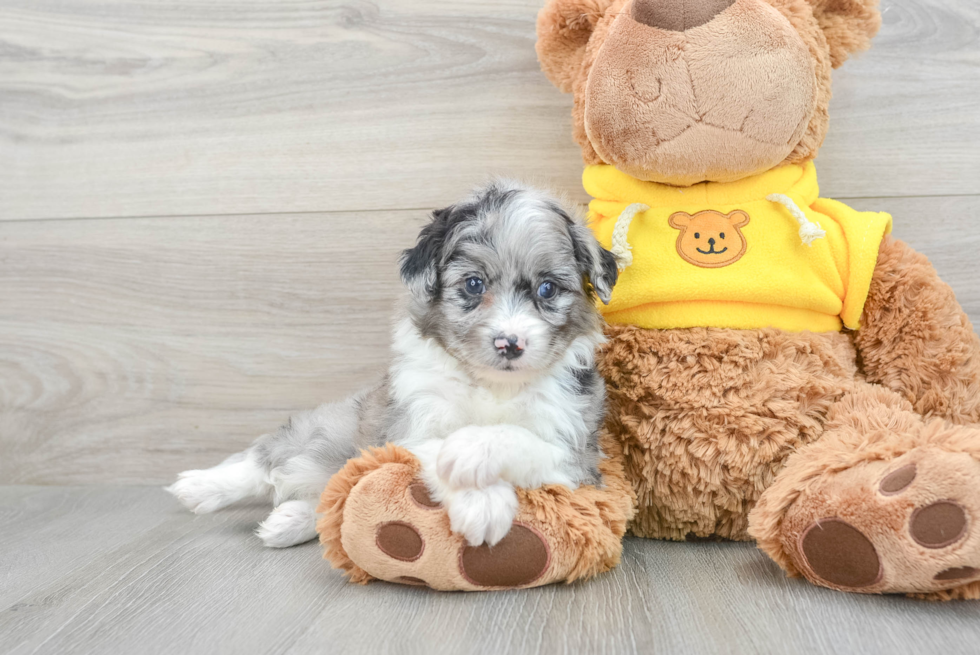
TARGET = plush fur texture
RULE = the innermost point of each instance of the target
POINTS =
(917, 341)
(709, 103)
(720, 423)
(723, 98)
(708, 417)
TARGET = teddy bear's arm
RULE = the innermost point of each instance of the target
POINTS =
(916, 339)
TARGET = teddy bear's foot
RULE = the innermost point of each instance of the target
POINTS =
(378, 522)
(909, 524)
(394, 530)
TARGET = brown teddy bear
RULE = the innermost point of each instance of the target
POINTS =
(779, 367)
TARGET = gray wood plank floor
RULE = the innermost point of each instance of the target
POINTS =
(124, 570)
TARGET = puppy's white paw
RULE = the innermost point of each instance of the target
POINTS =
(293, 522)
(469, 459)
(202, 491)
(210, 489)
(483, 515)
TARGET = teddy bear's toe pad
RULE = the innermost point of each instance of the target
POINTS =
(400, 541)
(908, 525)
(938, 525)
(958, 573)
(896, 481)
(420, 496)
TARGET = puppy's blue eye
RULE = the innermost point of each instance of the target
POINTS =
(474, 286)
(547, 290)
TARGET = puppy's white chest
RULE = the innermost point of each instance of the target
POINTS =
(483, 407)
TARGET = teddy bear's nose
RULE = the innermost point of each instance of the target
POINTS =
(677, 15)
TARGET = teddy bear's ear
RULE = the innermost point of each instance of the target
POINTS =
(679, 220)
(848, 25)
(564, 29)
(738, 218)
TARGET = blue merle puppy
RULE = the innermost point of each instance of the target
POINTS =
(492, 382)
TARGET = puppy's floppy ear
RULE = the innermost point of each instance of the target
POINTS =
(848, 25)
(420, 265)
(595, 262)
(564, 29)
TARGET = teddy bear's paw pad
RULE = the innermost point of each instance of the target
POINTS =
(518, 559)
(897, 481)
(420, 496)
(938, 525)
(909, 525)
(400, 541)
(840, 554)
(958, 573)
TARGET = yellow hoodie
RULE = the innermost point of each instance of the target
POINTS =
(723, 255)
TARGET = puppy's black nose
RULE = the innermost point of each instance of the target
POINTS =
(510, 346)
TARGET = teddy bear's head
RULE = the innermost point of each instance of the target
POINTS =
(686, 91)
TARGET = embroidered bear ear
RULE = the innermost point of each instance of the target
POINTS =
(679, 220)
(738, 218)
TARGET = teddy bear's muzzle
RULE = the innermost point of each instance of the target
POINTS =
(686, 91)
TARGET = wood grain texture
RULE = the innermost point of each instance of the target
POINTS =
(143, 576)
(114, 108)
(902, 120)
(162, 107)
(133, 349)
(158, 343)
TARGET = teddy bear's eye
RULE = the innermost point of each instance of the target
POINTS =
(722, 235)
(697, 235)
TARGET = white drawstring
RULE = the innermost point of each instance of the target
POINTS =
(620, 244)
(809, 231)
